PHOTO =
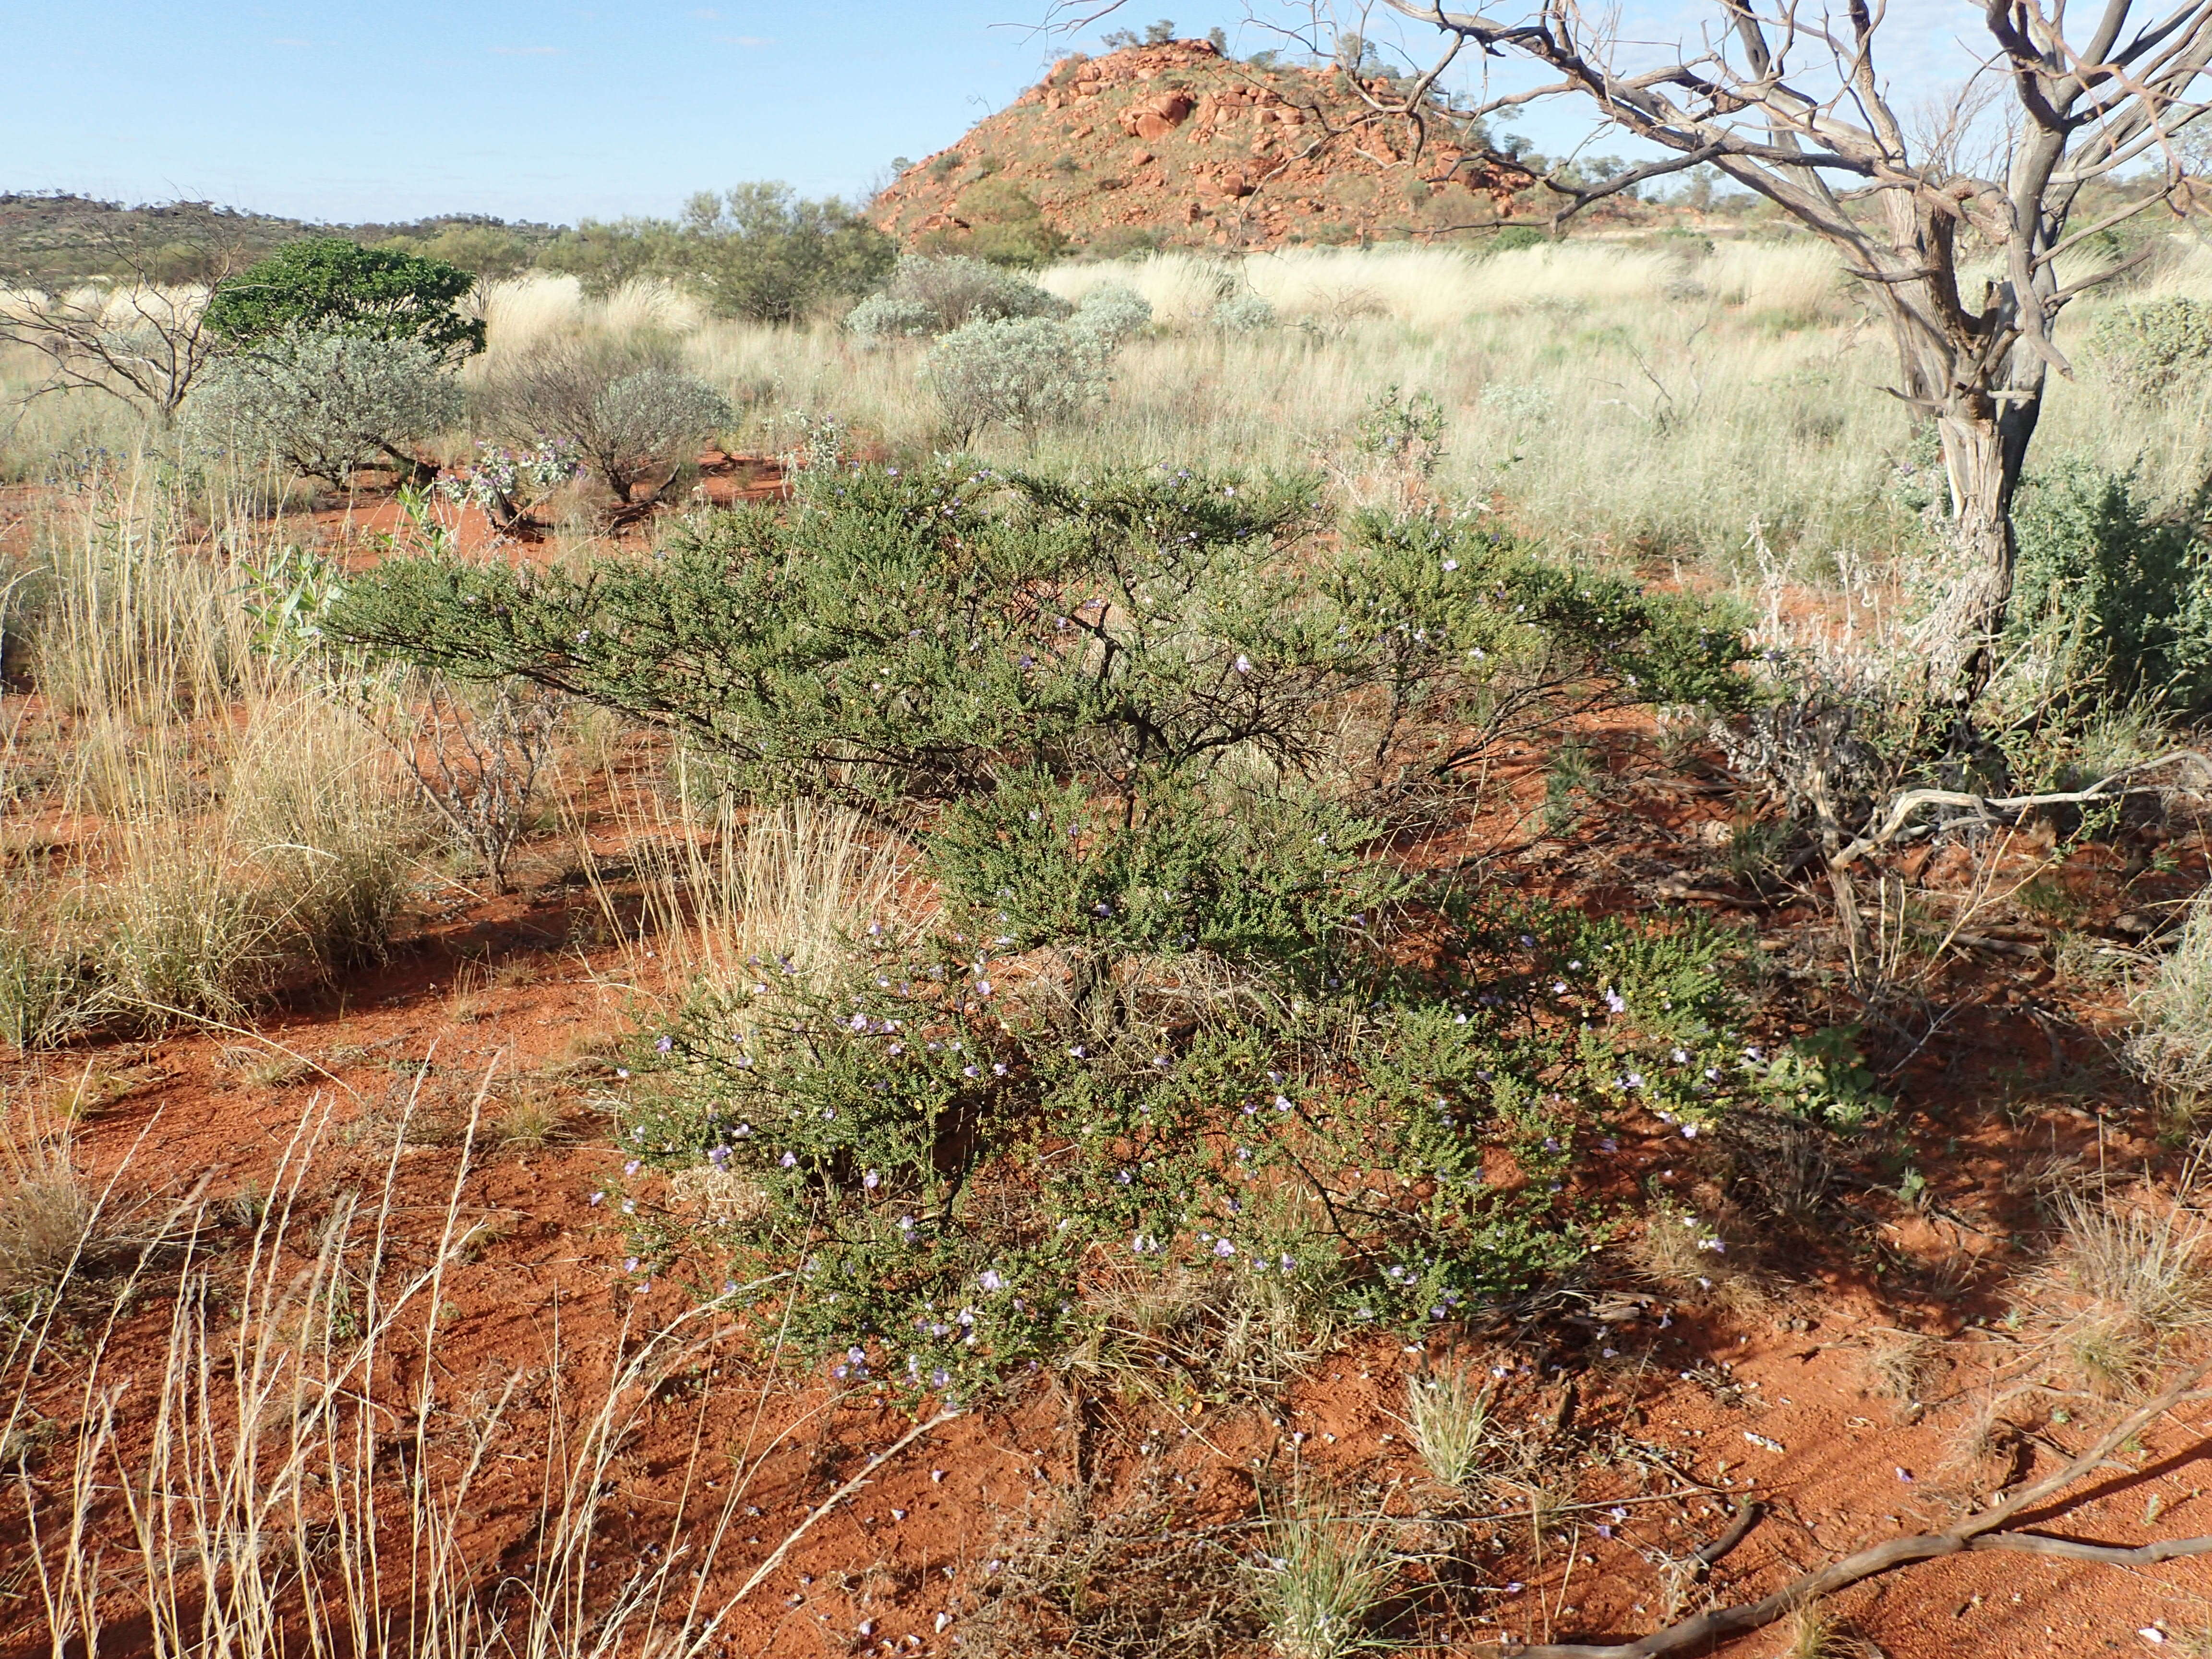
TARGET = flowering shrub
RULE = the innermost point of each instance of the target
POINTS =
(1179, 1014)
(620, 400)
(502, 482)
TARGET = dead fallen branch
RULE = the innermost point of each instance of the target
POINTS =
(1987, 1529)
(2005, 809)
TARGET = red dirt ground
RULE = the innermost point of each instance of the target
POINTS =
(1680, 1390)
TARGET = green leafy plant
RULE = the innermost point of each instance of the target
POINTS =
(2155, 349)
(761, 253)
(930, 295)
(618, 402)
(1020, 372)
(1171, 1018)
(1406, 433)
(327, 284)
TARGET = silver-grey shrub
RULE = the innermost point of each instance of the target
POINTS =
(1020, 372)
(934, 294)
(621, 398)
(325, 404)
(1112, 312)
(1242, 312)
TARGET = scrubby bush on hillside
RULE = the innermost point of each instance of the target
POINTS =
(1165, 1022)
(928, 295)
(620, 397)
(1001, 222)
(328, 285)
(1019, 372)
(326, 404)
(2154, 349)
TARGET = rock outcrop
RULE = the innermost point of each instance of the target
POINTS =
(1176, 145)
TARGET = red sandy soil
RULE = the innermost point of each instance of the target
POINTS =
(1674, 1387)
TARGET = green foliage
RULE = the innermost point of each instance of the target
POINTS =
(1822, 1077)
(1513, 238)
(619, 398)
(760, 253)
(325, 403)
(327, 285)
(2120, 588)
(1112, 312)
(491, 252)
(1169, 1020)
(2154, 350)
(1406, 433)
(604, 256)
(1004, 225)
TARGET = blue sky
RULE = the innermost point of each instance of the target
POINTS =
(553, 112)
(390, 110)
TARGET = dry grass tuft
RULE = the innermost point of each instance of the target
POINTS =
(1324, 1579)
(1900, 1365)
(2129, 1275)
(1448, 1416)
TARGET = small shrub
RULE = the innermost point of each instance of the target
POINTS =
(930, 295)
(1163, 1020)
(1021, 372)
(2112, 590)
(760, 253)
(1403, 433)
(621, 398)
(1112, 312)
(326, 403)
(328, 285)
(2152, 351)
(474, 753)
(1242, 312)
(1004, 225)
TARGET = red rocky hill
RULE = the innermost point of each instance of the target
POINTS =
(1177, 145)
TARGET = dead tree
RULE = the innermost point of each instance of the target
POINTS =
(133, 331)
(1789, 102)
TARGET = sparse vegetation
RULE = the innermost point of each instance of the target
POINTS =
(1291, 1041)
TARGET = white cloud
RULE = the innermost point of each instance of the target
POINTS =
(743, 40)
(525, 52)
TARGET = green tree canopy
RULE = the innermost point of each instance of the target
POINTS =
(329, 285)
(761, 253)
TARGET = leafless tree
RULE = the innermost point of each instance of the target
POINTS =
(132, 333)
(1789, 101)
